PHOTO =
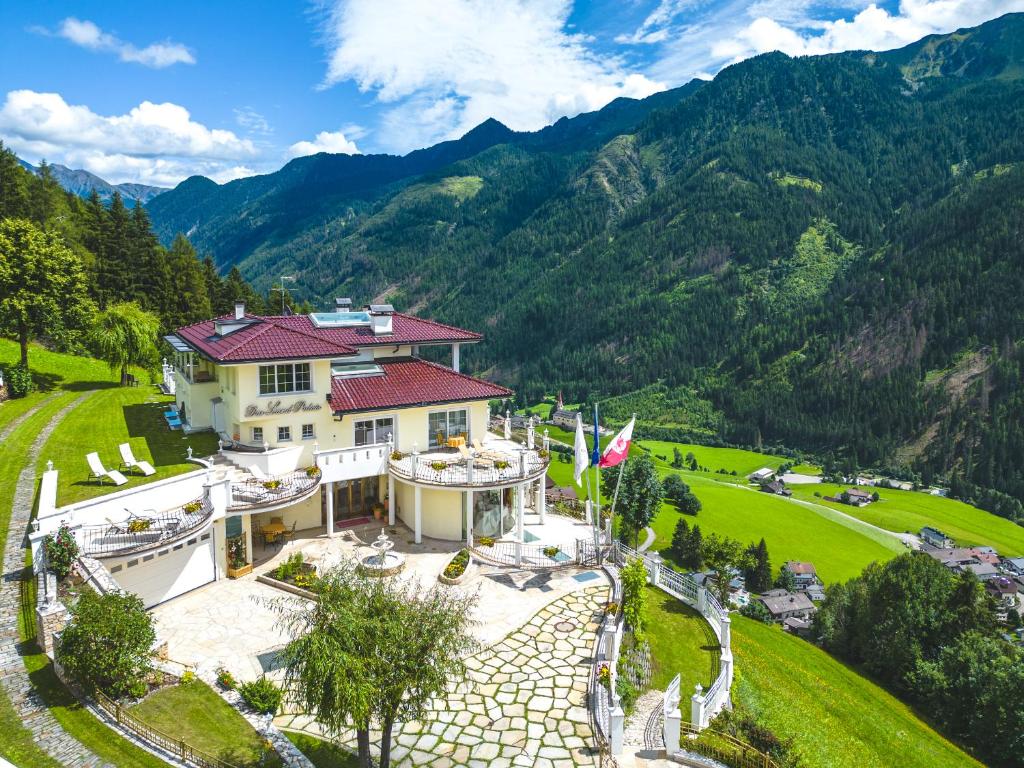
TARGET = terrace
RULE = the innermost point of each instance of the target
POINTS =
(263, 492)
(494, 463)
(140, 532)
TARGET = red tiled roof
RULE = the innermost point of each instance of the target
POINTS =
(295, 337)
(407, 383)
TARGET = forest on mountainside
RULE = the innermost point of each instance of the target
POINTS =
(821, 252)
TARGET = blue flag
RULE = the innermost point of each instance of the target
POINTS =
(595, 459)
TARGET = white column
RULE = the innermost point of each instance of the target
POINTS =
(698, 719)
(391, 499)
(508, 426)
(469, 518)
(671, 729)
(618, 728)
(329, 487)
(418, 508)
(726, 623)
(520, 505)
(455, 357)
(542, 491)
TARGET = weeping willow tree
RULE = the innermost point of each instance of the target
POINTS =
(370, 652)
(125, 335)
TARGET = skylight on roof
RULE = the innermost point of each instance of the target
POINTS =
(355, 369)
(339, 319)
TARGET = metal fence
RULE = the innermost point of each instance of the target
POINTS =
(274, 490)
(724, 748)
(433, 469)
(180, 749)
(533, 556)
(142, 532)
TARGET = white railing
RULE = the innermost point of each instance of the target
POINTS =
(432, 469)
(167, 380)
(671, 717)
(352, 463)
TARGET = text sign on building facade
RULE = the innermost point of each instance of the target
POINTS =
(275, 408)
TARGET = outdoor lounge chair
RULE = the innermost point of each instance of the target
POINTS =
(478, 461)
(129, 462)
(116, 528)
(256, 472)
(98, 471)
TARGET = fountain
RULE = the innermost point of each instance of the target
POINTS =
(383, 562)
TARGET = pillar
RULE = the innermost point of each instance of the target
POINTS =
(698, 718)
(391, 499)
(520, 505)
(617, 729)
(468, 502)
(329, 487)
(671, 730)
(541, 498)
(455, 357)
(418, 512)
(726, 623)
(508, 426)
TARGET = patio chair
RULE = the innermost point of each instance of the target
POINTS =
(256, 472)
(478, 461)
(116, 528)
(129, 462)
(290, 535)
(97, 471)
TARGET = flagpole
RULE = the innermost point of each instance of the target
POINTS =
(618, 482)
(597, 481)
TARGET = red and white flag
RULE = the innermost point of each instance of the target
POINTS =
(615, 452)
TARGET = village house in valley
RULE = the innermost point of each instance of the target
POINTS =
(326, 420)
(784, 605)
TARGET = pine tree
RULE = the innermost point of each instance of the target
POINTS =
(680, 540)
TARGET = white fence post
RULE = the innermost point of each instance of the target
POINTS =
(617, 728)
(672, 717)
(698, 718)
(726, 641)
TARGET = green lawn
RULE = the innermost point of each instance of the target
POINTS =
(55, 370)
(194, 713)
(742, 461)
(839, 548)
(682, 643)
(114, 416)
(836, 717)
(321, 753)
(903, 511)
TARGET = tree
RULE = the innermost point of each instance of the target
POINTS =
(785, 580)
(106, 645)
(371, 651)
(639, 495)
(759, 571)
(722, 555)
(634, 595)
(674, 488)
(689, 504)
(42, 286)
(125, 335)
(680, 541)
(677, 458)
(694, 556)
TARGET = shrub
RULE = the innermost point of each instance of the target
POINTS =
(271, 485)
(634, 595)
(18, 379)
(261, 695)
(313, 471)
(188, 677)
(501, 464)
(550, 551)
(139, 525)
(486, 541)
(397, 455)
(61, 552)
(290, 568)
(106, 645)
(755, 610)
(225, 679)
(458, 564)
(439, 466)
(192, 507)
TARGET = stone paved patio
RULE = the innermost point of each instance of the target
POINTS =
(525, 703)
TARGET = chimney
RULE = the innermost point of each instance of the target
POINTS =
(239, 310)
(342, 305)
(381, 318)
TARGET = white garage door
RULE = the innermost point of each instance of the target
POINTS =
(162, 574)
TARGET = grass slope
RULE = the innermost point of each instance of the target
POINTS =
(836, 717)
(321, 753)
(912, 510)
(839, 548)
(741, 461)
(195, 713)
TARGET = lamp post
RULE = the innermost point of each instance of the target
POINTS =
(283, 278)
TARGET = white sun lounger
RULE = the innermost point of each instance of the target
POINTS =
(98, 471)
(128, 461)
(256, 472)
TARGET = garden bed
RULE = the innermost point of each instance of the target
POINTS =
(293, 576)
(459, 569)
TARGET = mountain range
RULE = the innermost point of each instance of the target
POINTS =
(823, 252)
(82, 183)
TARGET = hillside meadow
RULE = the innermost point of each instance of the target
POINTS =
(836, 717)
(909, 511)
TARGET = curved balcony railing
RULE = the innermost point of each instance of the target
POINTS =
(272, 491)
(449, 470)
(144, 532)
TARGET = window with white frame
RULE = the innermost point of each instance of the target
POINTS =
(284, 378)
(442, 425)
(307, 432)
(257, 434)
(284, 434)
(374, 431)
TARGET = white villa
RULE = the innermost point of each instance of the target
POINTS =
(326, 420)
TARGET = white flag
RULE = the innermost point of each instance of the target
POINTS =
(580, 449)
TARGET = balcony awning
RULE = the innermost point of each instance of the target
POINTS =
(177, 344)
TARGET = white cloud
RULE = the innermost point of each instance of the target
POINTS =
(252, 121)
(86, 34)
(152, 143)
(448, 65)
(325, 141)
(694, 44)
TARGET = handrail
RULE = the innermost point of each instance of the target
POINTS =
(116, 539)
(523, 465)
(252, 493)
(180, 749)
(725, 748)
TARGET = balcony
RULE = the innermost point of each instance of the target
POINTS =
(494, 463)
(140, 533)
(265, 493)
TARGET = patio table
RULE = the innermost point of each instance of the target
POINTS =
(455, 442)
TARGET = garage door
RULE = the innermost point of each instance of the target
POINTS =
(163, 574)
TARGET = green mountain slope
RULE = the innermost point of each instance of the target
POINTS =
(802, 244)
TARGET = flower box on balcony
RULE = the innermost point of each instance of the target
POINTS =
(237, 573)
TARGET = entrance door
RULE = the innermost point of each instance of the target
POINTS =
(355, 497)
(217, 418)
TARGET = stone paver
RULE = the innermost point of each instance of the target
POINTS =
(46, 731)
(525, 703)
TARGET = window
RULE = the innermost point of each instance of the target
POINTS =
(374, 431)
(257, 434)
(442, 425)
(284, 434)
(307, 432)
(282, 379)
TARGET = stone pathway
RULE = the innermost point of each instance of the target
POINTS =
(648, 541)
(34, 714)
(639, 730)
(525, 704)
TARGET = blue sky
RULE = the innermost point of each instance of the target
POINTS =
(157, 91)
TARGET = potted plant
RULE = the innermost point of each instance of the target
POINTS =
(271, 485)
(138, 525)
(237, 565)
(438, 466)
(192, 507)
